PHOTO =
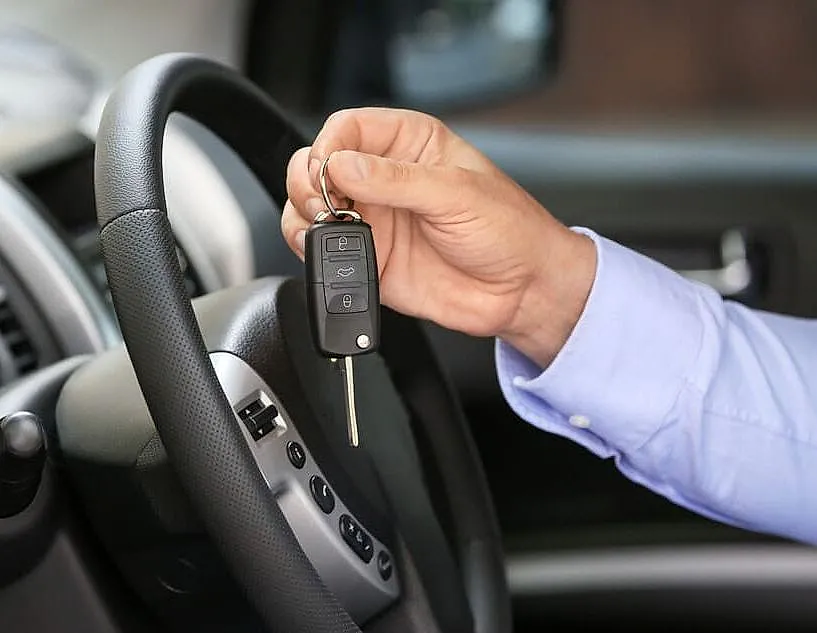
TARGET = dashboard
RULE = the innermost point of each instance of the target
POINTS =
(56, 67)
(54, 299)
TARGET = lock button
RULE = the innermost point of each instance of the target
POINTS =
(342, 244)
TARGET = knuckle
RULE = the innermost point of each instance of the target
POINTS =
(447, 139)
(435, 125)
(297, 161)
(297, 180)
(336, 130)
(291, 220)
(439, 140)
(338, 118)
(299, 157)
(287, 219)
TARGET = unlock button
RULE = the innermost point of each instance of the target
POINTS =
(343, 300)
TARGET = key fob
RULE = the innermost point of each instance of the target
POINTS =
(342, 288)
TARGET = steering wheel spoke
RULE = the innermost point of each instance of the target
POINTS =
(353, 563)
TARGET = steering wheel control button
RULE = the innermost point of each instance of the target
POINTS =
(261, 423)
(251, 409)
(322, 494)
(343, 244)
(384, 566)
(296, 454)
(356, 538)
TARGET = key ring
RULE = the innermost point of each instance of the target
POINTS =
(337, 213)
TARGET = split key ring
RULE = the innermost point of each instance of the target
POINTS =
(337, 213)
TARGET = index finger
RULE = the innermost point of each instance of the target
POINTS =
(403, 135)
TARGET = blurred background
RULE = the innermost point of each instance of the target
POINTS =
(682, 128)
(513, 61)
(668, 125)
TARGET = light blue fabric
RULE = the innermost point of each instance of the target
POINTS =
(704, 401)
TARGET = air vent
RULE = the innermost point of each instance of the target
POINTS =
(18, 355)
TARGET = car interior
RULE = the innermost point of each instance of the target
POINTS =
(173, 452)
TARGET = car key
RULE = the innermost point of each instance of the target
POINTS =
(343, 294)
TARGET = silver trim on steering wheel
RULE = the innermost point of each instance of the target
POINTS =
(356, 583)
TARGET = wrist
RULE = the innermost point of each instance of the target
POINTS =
(555, 297)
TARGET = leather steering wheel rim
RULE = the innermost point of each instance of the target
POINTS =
(177, 379)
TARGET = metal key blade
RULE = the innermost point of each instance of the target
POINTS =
(348, 370)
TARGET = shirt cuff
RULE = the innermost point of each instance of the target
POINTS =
(623, 367)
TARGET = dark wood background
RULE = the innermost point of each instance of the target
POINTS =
(677, 60)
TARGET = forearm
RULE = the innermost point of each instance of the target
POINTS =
(705, 402)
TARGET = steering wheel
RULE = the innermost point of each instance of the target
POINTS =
(322, 537)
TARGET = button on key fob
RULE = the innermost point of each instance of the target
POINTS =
(342, 287)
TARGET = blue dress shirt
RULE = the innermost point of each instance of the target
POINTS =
(704, 401)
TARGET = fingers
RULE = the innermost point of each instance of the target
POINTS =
(302, 193)
(395, 158)
(293, 227)
(399, 134)
(402, 135)
(429, 190)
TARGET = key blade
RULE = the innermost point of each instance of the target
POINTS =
(349, 397)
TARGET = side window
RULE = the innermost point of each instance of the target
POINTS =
(439, 55)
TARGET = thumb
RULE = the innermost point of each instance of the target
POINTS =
(428, 190)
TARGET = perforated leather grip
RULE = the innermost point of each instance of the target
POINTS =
(191, 413)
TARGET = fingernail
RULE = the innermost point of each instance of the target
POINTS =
(314, 206)
(300, 238)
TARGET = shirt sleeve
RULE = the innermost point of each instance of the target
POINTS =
(704, 401)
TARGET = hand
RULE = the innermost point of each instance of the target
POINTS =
(457, 241)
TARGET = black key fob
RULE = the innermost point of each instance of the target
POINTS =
(342, 287)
